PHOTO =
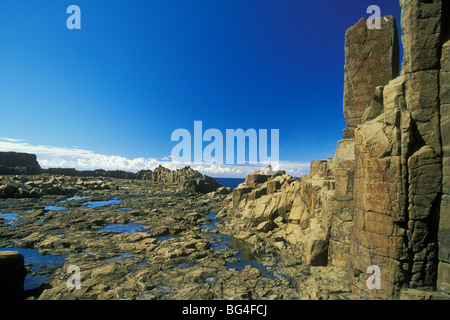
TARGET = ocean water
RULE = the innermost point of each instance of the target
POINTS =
(230, 182)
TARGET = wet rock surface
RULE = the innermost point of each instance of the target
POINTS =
(144, 240)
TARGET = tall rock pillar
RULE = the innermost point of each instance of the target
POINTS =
(443, 279)
(422, 36)
(371, 60)
(401, 209)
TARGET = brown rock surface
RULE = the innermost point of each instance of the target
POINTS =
(371, 60)
(443, 281)
(384, 198)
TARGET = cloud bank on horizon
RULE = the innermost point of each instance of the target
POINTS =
(60, 157)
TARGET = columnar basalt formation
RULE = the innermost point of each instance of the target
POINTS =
(383, 200)
(371, 60)
(443, 281)
(285, 211)
(343, 168)
(398, 165)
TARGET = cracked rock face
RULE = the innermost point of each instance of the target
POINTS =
(398, 214)
(384, 198)
(371, 60)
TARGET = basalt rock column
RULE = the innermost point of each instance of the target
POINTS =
(422, 36)
(443, 281)
(371, 60)
(398, 160)
(380, 207)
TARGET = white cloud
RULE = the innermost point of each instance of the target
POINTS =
(59, 157)
(11, 139)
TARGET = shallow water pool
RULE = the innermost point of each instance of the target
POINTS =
(95, 204)
(244, 256)
(124, 228)
(54, 208)
(33, 257)
(212, 225)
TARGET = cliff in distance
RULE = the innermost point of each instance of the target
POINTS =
(384, 198)
(18, 163)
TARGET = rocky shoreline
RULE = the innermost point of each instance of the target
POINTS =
(146, 240)
(381, 203)
(153, 242)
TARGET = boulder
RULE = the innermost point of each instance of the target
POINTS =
(272, 186)
(7, 191)
(255, 180)
(223, 190)
(12, 275)
(265, 226)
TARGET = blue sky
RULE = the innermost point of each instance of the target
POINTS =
(138, 70)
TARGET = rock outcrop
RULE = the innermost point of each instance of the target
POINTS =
(18, 163)
(12, 275)
(283, 211)
(119, 174)
(444, 222)
(44, 185)
(190, 180)
(371, 60)
(383, 200)
(398, 162)
(13, 163)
